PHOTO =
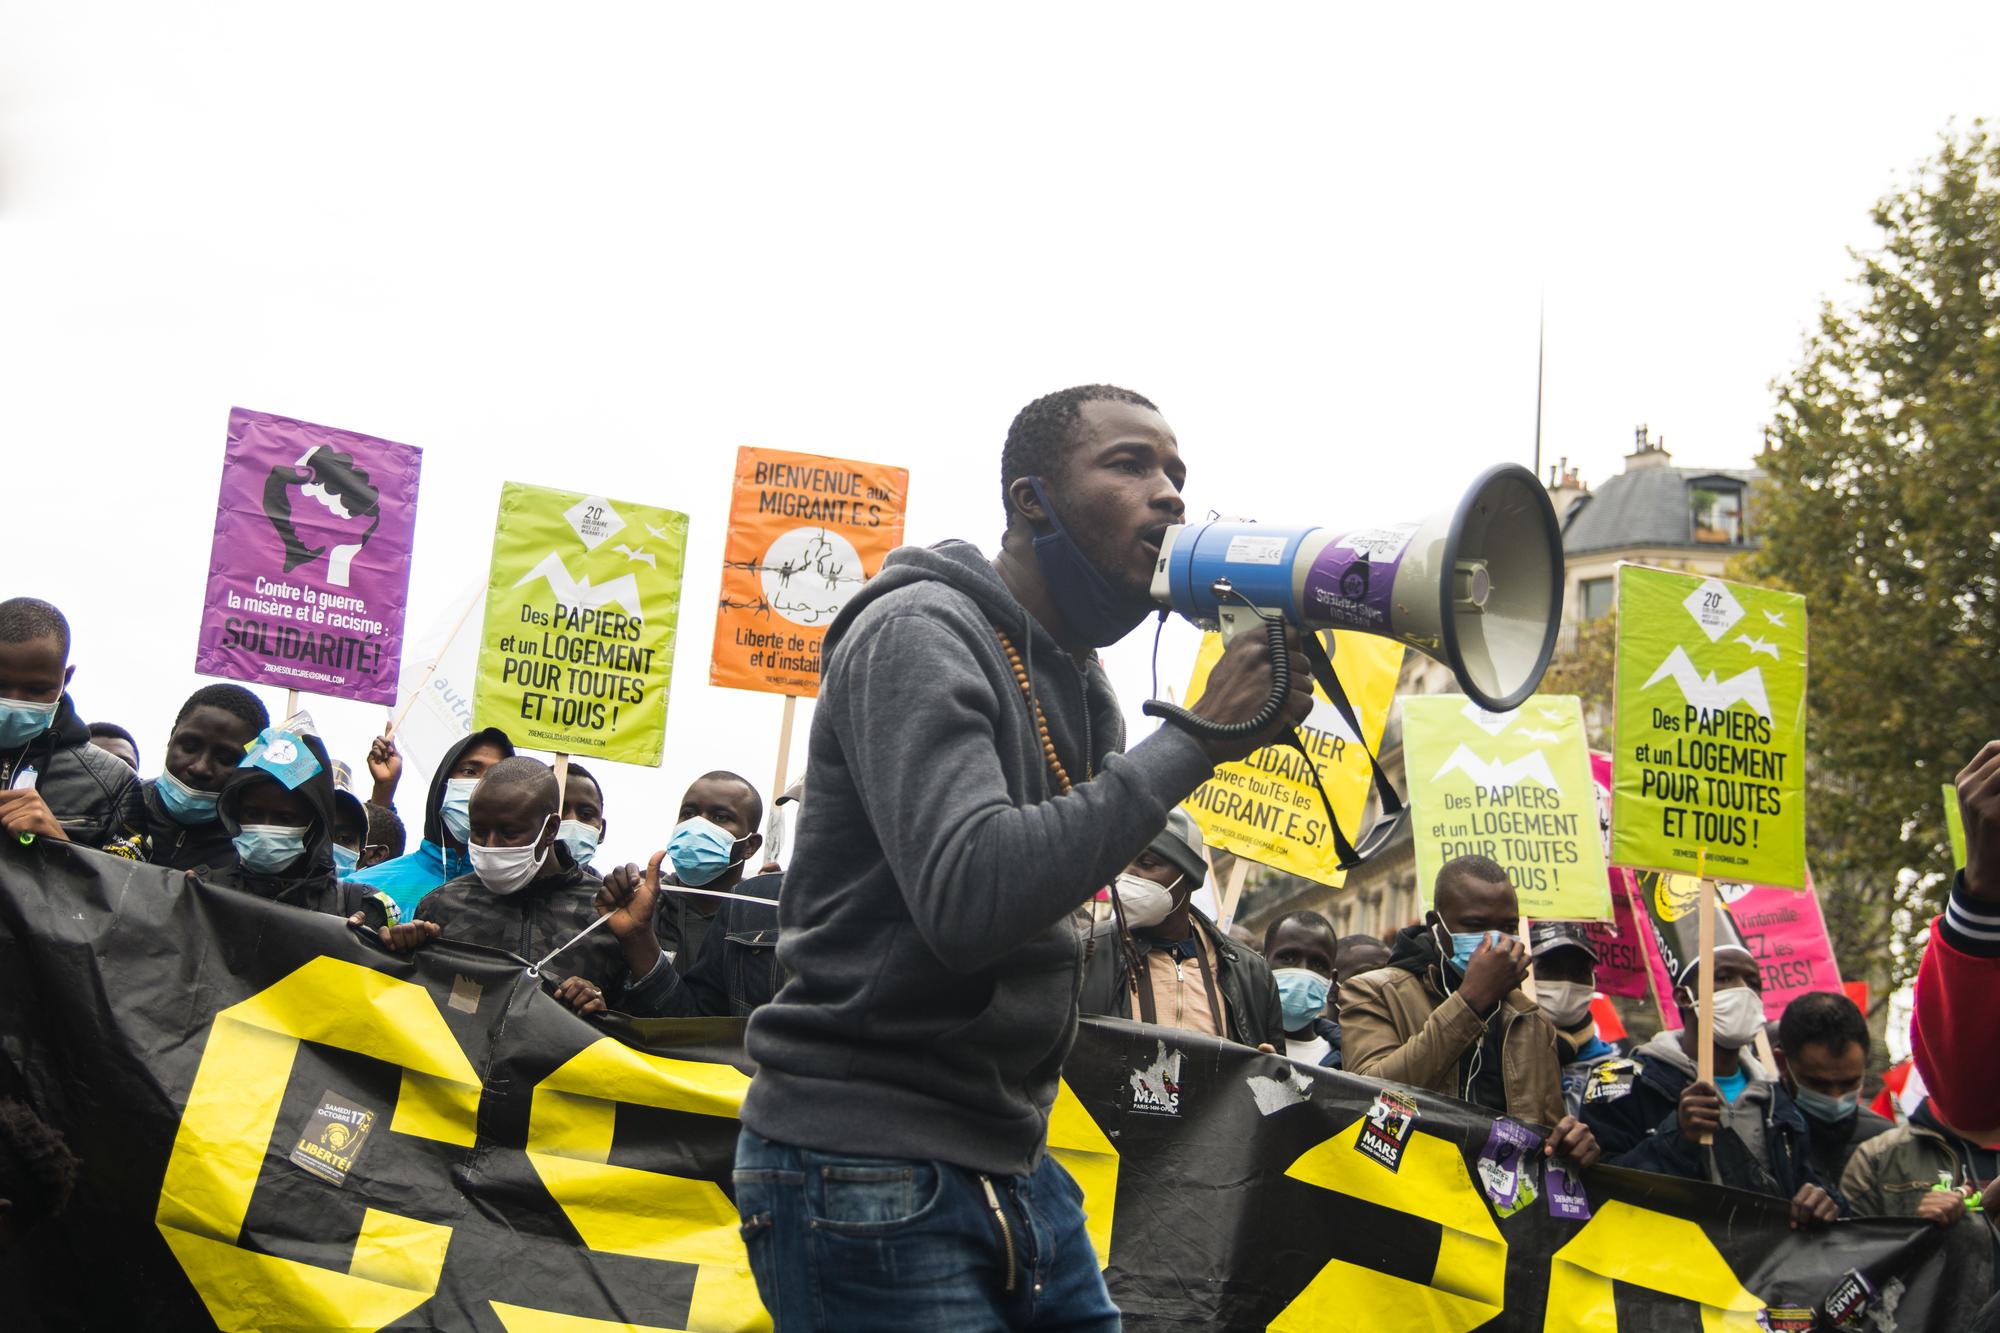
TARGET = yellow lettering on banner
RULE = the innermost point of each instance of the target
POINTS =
(1670, 1255)
(1076, 1141)
(232, 1112)
(645, 1214)
(1468, 1285)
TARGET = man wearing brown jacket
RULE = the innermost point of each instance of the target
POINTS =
(1447, 1014)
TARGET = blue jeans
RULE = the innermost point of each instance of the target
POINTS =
(839, 1242)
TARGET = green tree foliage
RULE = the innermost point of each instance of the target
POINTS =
(1882, 506)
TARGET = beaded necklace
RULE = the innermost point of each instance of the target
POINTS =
(1056, 769)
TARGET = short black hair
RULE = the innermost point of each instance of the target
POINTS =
(232, 699)
(1039, 441)
(756, 801)
(115, 732)
(25, 619)
(531, 775)
(385, 829)
(1305, 917)
(1482, 868)
(575, 771)
(1822, 1018)
(37, 1169)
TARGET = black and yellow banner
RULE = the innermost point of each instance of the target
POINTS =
(283, 1127)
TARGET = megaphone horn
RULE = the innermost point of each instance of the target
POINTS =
(1478, 587)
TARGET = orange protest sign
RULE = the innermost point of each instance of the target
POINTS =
(805, 532)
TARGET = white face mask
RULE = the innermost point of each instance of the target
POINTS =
(505, 870)
(1145, 902)
(1567, 1003)
(1739, 1017)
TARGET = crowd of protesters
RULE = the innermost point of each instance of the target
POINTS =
(912, 977)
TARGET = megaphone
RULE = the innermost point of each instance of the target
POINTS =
(1479, 586)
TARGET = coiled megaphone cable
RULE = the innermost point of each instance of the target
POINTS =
(1281, 683)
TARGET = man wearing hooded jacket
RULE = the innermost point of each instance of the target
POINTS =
(1650, 1112)
(283, 839)
(447, 818)
(211, 733)
(966, 795)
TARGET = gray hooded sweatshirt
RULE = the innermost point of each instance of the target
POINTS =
(929, 926)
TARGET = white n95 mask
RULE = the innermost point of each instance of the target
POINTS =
(1145, 902)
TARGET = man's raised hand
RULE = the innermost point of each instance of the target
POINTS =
(1979, 810)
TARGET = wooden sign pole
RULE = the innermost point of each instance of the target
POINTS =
(1704, 1027)
(1232, 890)
(431, 668)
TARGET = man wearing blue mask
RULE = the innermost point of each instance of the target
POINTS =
(1303, 954)
(447, 821)
(180, 829)
(284, 839)
(1448, 1013)
(54, 783)
(714, 838)
(968, 792)
(583, 823)
(1822, 1055)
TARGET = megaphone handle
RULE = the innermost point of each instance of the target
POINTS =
(1206, 729)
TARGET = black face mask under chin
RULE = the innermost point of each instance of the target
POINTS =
(1094, 609)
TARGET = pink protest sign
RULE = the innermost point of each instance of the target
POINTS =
(309, 575)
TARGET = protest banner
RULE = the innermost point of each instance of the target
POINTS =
(283, 1126)
(1709, 766)
(309, 572)
(582, 606)
(1954, 826)
(805, 533)
(1266, 808)
(1514, 787)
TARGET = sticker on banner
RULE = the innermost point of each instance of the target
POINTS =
(1853, 1295)
(1567, 1201)
(333, 1137)
(1156, 1089)
(1506, 1166)
(1386, 1128)
(1785, 1319)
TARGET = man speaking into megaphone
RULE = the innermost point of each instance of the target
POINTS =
(967, 792)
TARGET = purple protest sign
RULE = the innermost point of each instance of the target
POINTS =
(1350, 581)
(310, 572)
(1506, 1166)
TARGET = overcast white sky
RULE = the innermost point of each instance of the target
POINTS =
(600, 246)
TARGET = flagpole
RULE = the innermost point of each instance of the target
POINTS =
(1704, 1028)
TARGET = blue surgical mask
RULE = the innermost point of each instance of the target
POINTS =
(701, 851)
(1827, 1110)
(456, 808)
(580, 838)
(184, 804)
(267, 849)
(1464, 946)
(1302, 993)
(1086, 599)
(344, 860)
(21, 721)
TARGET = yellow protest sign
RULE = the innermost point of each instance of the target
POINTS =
(1266, 807)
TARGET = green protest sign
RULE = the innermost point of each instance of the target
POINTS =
(1954, 827)
(1512, 787)
(1709, 764)
(581, 609)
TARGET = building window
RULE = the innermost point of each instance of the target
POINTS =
(1596, 595)
(1717, 513)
